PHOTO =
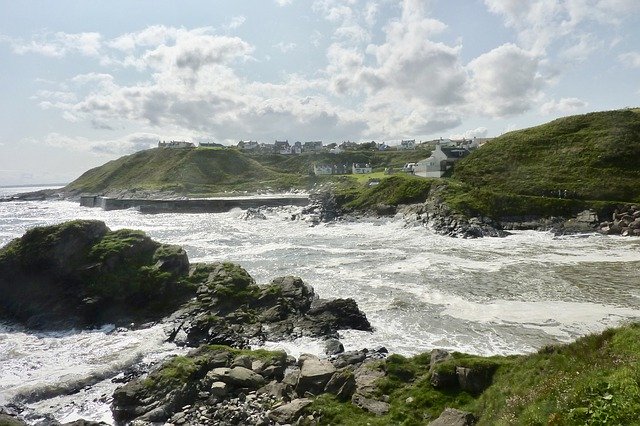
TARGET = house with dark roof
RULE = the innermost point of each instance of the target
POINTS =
(441, 161)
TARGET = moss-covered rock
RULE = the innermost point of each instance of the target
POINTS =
(80, 273)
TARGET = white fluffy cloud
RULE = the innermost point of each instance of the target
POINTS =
(505, 81)
(563, 106)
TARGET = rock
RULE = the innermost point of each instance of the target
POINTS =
(333, 347)
(81, 274)
(297, 293)
(342, 384)
(438, 356)
(238, 377)
(218, 389)
(279, 390)
(289, 413)
(454, 417)
(349, 358)
(252, 214)
(242, 361)
(9, 420)
(371, 405)
(314, 375)
(337, 314)
(474, 380)
(366, 376)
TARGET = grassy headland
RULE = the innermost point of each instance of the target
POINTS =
(558, 168)
(206, 171)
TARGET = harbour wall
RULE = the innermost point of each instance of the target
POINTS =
(193, 205)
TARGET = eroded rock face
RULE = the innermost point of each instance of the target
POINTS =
(81, 274)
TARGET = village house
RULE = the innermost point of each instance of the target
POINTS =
(331, 169)
(296, 148)
(175, 144)
(360, 169)
(408, 144)
(383, 147)
(283, 147)
(440, 161)
(248, 145)
(312, 146)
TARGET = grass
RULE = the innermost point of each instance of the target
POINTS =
(593, 157)
(593, 381)
(392, 190)
(206, 171)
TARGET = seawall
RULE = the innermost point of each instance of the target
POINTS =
(193, 205)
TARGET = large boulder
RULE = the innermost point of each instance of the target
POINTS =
(289, 413)
(81, 274)
(314, 375)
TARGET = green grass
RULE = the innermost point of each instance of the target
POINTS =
(392, 190)
(593, 381)
(594, 156)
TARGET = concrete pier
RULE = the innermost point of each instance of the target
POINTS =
(192, 205)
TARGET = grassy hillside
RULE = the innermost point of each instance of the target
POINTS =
(185, 171)
(594, 156)
(211, 171)
(593, 381)
(558, 168)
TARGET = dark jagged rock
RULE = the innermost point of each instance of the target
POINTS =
(230, 309)
(81, 274)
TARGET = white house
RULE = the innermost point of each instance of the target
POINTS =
(248, 145)
(312, 146)
(361, 169)
(440, 161)
(408, 144)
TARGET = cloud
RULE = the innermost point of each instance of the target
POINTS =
(630, 59)
(58, 44)
(540, 23)
(119, 146)
(479, 132)
(505, 81)
(285, 47)
(563, 106)
(236, 22)
(283, 2)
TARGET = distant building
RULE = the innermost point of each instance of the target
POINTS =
(383, 147)
(323, 169)
(408, 144)
(441, 160)
(331, 169)
(210, 145)
(296, 148)
(360, 169)
(283, 147)
(312, 146)
(175, 144)
(248, 145)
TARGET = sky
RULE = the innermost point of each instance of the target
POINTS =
(85, 82)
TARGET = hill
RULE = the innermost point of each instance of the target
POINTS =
(590, 160)
(204, 171)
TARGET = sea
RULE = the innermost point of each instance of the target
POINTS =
(419, 290)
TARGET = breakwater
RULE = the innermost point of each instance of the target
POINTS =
(191, 205)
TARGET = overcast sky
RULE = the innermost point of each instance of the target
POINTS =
(84, 82)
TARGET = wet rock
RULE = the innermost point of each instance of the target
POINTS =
(333, 347)
(474, 380)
